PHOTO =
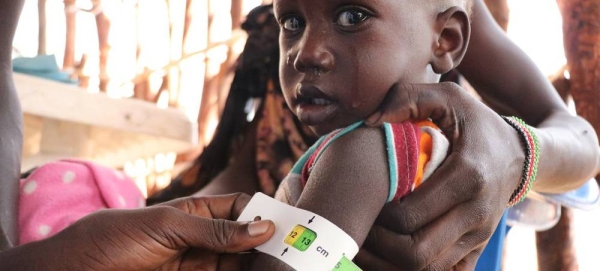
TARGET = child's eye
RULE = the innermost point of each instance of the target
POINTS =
(291, 24)
(351, 18)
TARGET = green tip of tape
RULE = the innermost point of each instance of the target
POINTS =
(346, 265)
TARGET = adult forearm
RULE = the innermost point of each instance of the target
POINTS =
(504, 76)
(48, 254)
(569, 153)
(11, 140)
(513, 85)
(11, 137)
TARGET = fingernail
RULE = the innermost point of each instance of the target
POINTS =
(371, 121)
(373, 118)
(258, 228)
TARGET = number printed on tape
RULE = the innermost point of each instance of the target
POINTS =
(301, 237)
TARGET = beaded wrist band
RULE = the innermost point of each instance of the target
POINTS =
(532, 153)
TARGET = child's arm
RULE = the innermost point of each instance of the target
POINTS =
(349, 185)
(11, 137)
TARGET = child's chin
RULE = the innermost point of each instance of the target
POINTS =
(321, 130)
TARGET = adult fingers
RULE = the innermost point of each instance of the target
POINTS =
(445, 189)
(221, 207)
(457, 259)
(470, 261)
(368, 261)
(179, 230)
(226, 236)
(451, 236)
(236, 262)
(198, 259)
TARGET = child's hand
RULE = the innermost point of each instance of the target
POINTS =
(449, 219)
(189, 233)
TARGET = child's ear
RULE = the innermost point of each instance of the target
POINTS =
(453, 31)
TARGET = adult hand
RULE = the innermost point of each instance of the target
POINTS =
(184, 234)
(447, 221)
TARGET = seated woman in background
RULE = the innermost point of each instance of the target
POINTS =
(248, 154)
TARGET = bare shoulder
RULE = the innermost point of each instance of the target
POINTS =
(350, 177)
(364, 143)
(358, 156)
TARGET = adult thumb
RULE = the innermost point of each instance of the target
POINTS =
(226, 236)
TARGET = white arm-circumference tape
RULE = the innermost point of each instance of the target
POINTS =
(317, 243)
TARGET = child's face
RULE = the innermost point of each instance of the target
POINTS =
(339, 58)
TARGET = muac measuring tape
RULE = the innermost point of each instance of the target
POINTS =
(303, 240)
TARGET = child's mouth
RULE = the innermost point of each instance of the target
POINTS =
(313, 107)
(319, 101)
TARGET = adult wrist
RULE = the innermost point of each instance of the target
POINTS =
(530, 144)
(46, 254)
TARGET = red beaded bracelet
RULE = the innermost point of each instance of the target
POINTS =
(532, 152)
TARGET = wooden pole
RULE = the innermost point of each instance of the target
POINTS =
(555, 249)
(177, 21)
(209, 110)
(236, 13)
(41, 27)
(103, 25)
(70, 20)
(140, 88)
(581, 27)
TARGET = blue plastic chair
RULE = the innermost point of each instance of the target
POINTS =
(537, 211)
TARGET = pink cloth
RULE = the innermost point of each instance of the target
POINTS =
(59, 193)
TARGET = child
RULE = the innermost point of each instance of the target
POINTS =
(337, 64)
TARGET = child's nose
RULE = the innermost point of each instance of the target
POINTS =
(314, 54)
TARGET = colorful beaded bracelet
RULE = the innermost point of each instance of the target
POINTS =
(532, 153)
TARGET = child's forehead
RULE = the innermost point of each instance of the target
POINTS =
(395, 4)
(336, 2)
(378, 6)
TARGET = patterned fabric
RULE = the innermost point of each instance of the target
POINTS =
(57, 194)
(280, 142)
(278, 138)
(414, 151)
